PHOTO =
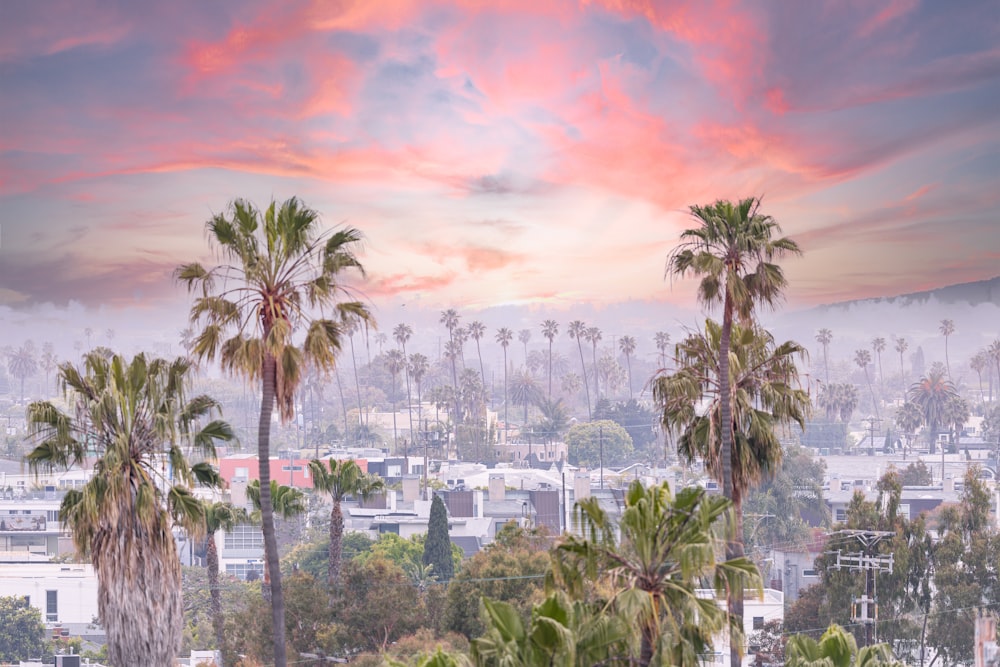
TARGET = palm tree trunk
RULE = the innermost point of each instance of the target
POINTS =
(357, 383)
(597, 385)
(628, 363)
(336, 543)
(212, 556)
(734, 549)
(395, 437)
(586, 387)
(550, 369)
(506, 399)
(482, 369)
(872, 390)
(409, 396)
(343, 402)
(734, 544)
(826, 364)
(267, 509)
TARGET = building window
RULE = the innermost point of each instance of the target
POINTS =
(242, 570)
(242, 474)
(809, 573)
(841, 515)
(244, 537)
(758, 622)
(51, 606)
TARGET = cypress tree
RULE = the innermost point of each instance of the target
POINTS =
(437, 547)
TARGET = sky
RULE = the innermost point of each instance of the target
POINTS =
(496, 154)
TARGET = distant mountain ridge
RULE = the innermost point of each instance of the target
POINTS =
(972, 293)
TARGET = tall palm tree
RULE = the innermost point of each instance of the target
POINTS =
(279, 269)
(732, 250)
(878, 347)
(550, 329)
(947, 328)
(863, 359)
(578, 330)
(524, 392)
(350, 329)
(418, 367)
(901, 346)
(382, 339)
(593, 336)
(653, 561)
(49, 362)
(980, 362)
(524, 335)
(662, 341)
(402, 333)
(449, 318)
(395, 362)
(824, 337)
(627, 345)
(504, 336)
(476, 331)
(218, 516)
(956, 416)
(340, 479)
(994, 352)
(931, 394)
(129, 418)
(22, 365)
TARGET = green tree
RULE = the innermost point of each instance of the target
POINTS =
(22, 633)
(916, 474)
(279, 269)
(340, 479)
(578, 331)
(379, 606)
(437, 548)
(218, 516)
(587, 440)
(732, 250)
(654, 559)
(131, 418)
(287, 502)
(638, 420)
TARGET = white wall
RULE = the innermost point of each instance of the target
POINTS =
(76, 587)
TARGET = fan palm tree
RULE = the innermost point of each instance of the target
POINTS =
(931, 394)
(218, 516)
(22, 365)
(956, 416)
(947, 328)
(662, 341)
(524, 336)
(381, 339)
(476, 331)
(824, 337)
(279, 268)
(593, 336)
(402, 333)
(980, 362)
(732, 250)
(901, 346)
(287, 502)
(863, 359)
(627, 345)
(550, 329)
(656, 557)
(836, 648)
(49, 362)
(340, 479)
(524, 392)
(395, 362)
(762, 375)
(578, 330)
(504, 336)
(878, 347)
(131, 418)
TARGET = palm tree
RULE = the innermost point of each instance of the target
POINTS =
(449, 318)
(382, 339)
(578, 330)
(340, 479)
(418, 368)
(218, 516)
(656, 557)
(88, 332)
(350, 329)
(947, 328)
(22, 365)
(994, 352)
(956, 416)
(460, 335)
(402, 334)
(126, 419)
(593, 336)
(281, 268)
(476, 331)
(524, 392)
(733, 251)
(504, 336)
(980, 362)
(836, 648)
(524, 335)
(627, 346)
(287, 502)
(550, 329)
(49, 363)
(931, 394)
(878, 347)
(762, 377)
(863, 359)
(662, 341)
(824, 336)
(901, 346)
(394, 363)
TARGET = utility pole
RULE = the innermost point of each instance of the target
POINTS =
(871, 430)
(600, 435)
(864, 609)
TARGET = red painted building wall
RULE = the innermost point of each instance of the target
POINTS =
(290, 473)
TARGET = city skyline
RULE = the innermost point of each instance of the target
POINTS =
(525, 154)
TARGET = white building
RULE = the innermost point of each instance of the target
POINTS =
(65, 593)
